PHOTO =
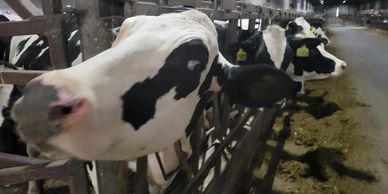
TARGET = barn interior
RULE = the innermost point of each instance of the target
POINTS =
(330, 140)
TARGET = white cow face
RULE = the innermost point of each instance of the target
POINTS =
(139, 96)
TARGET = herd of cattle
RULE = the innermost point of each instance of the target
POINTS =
(138, 97)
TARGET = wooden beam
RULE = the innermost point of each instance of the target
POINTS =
(24, 8)
(18, 77)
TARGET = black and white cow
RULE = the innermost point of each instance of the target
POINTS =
(303, 58)
(28, 52)
(4, 43)
(186, 65)
(301, 27)
(119, 104)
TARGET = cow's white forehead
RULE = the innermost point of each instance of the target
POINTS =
(174, 28)
(302, 22)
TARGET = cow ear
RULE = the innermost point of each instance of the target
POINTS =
(258, 85)
(293, 28)
(324, 41)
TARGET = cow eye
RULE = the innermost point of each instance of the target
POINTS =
(195, 66)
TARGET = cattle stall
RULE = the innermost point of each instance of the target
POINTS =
(94, 20)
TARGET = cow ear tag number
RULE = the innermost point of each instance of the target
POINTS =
(302, 51)
(241, 55)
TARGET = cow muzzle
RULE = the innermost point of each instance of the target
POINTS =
(44, 111)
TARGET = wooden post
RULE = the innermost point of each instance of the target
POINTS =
(95, 38)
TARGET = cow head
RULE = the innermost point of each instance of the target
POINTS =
(303, 28)
(139, 96)
(271, 46)
(312, 61)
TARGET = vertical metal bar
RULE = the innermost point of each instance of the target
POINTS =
(217, 132)
(230, 180)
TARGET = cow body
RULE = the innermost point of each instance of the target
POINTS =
(80, 113)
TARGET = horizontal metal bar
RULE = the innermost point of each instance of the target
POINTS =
(18, 77)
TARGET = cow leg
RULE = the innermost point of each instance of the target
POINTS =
(299, 87)
(34, 187)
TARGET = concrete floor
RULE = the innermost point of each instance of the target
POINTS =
(366, 53)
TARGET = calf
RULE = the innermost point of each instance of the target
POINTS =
(72, 109)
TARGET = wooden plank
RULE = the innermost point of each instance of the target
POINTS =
(24, 8)
(18, 77)
(201, 175)
(77, 177)
(50, 26)
(141, 183)
(11, 160)
(23, 174)
(50, 7)
(94, 33)
(96, 37)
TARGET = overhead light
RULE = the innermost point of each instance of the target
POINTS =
(344, 1)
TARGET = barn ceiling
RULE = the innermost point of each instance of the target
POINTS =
(338, 2)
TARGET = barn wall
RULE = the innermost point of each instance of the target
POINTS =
(298, 5)
(344, 10)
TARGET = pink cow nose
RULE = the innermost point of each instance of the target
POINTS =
(343, 66)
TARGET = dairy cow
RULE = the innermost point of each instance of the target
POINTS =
(4, 42)
(117, 104)
(303, 58)
(28, 52)
(301, 27)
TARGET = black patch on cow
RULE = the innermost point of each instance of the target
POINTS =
(37, 55)
(9, 141)
(216, 70)
(293, 28)
(22, 44)
(32, 58)
(315, 62)
(256, 50)
(140, 100)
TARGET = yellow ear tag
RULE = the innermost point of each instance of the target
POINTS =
(241, 55)
(313, 29)
(303, 51)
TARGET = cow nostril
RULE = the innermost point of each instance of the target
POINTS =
(343, 66)
(66, 110)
